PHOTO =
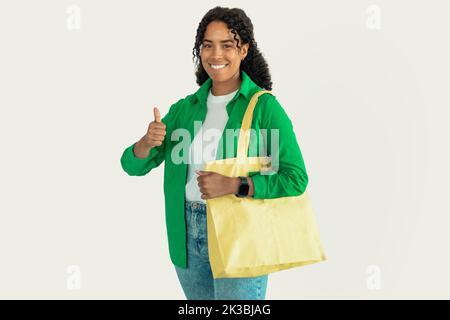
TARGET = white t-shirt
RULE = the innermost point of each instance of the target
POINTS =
(204, 146)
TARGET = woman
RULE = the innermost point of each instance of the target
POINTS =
(232, 69)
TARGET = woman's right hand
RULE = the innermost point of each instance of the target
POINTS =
(156, 131)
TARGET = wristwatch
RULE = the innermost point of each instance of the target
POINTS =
(243, 188)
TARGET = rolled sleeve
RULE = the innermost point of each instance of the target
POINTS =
(135, 166)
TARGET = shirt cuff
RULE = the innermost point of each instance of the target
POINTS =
(136, 165)
(258, 184)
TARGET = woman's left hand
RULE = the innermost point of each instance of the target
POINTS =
(213, 184)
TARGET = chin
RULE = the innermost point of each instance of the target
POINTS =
(220, 76)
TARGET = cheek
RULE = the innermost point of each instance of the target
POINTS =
(203, 56)
(203, 61)
(234, 58)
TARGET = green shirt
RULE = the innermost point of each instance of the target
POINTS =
(291, 178)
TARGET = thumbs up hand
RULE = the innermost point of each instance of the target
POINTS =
(156, 131)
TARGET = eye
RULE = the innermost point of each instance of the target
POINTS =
(209, 46)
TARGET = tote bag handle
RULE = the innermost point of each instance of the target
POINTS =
(244, 133)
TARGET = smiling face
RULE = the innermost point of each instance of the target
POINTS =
(219, 53)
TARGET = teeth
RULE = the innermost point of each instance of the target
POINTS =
(218, 66)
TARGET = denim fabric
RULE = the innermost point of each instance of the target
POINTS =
(197, 280)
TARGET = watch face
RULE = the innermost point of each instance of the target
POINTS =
(243, 189)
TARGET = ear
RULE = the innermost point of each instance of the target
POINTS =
(244, 50)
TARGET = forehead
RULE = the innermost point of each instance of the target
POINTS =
(217, 31)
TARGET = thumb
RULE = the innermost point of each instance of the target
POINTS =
(202, 173)
(156, 114)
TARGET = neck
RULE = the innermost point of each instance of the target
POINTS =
(223, 88)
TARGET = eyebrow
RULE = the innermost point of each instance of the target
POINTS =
(222, 41)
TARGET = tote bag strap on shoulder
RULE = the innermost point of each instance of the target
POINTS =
(244, 133)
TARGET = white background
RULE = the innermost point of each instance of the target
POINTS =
(370, 108)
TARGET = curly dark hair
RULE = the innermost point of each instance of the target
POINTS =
(237, 21)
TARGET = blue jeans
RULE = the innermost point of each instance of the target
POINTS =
(197, 280)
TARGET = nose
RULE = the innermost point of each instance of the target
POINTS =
(217, 53)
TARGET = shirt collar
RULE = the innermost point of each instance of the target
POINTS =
(247, 89)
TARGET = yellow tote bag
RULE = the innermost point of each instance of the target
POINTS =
(250, 237)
